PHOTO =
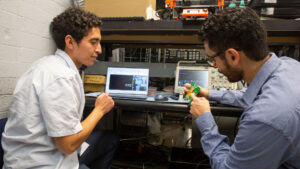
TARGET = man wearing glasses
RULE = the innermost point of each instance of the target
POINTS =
(269, 133)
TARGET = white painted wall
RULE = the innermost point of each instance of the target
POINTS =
(24, 38)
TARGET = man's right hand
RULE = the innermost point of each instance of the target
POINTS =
(69, 144)
(202, 93)
(199, 106)
(104, 103)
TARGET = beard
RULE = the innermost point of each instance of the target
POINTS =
(232, 74)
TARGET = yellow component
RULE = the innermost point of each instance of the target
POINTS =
(89, 87)
(94, 83)
(188, 94)
(96, 79)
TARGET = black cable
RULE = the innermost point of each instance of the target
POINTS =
(243, 83)
(187, 141)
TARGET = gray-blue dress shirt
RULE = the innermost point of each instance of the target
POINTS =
(269, 129)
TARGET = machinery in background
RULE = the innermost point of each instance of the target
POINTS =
(201, 9)
(202, 75)
(198, 9)
(191, 9)
(286, 9)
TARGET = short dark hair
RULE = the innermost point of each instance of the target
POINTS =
(238, 28)
(74, 22)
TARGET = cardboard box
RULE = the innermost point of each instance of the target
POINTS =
(117, 8)
(94, 83)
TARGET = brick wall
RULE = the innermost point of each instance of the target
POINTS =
(24, 38)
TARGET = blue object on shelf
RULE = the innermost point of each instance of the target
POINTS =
(232, 5)
(242, 3)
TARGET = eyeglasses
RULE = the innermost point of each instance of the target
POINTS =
(211, 59)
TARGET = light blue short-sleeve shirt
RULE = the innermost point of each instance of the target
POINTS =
(48, 102)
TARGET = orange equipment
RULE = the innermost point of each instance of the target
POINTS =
(170, 3)
(220, 3)
(188, 13)
(184, 9)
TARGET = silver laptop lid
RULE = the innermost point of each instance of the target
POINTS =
(127, 81)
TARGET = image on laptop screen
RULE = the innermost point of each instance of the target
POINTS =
(132, 81)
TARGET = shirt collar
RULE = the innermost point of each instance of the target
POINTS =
(66, 58)
(261, 77)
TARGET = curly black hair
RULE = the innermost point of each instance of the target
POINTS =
(238, 28)
(74, 22)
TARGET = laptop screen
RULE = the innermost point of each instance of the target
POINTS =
(127, 80)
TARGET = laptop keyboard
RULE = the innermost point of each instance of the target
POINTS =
(131, 96)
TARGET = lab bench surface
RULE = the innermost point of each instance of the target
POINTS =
(160, 106)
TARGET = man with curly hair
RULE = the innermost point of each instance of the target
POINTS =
(44, 128)
(235, 40)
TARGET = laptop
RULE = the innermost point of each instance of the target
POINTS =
(127, 83)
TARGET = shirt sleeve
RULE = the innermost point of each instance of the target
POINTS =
(256, 145)
(60, 103)
(230, 97)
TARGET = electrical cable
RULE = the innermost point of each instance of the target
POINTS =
(187, 141)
